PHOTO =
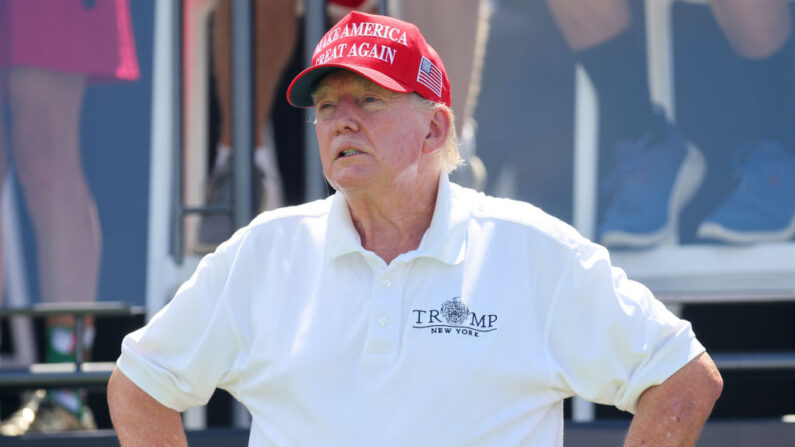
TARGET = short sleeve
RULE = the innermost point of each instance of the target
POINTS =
(188, 348)
(609, 339)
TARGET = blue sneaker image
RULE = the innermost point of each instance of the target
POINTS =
(762, 208)
(656, 177)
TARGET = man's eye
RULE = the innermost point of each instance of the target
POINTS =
(370, 99)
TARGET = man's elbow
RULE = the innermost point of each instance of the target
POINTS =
(703, 384)
(116, 390)
(714, 382)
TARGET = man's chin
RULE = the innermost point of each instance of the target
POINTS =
(356, 188)
(350, 178)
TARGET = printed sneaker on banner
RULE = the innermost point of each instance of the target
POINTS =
(216, 228)
(762, 207)
(41, 415)
(271, 194)
(656, 177)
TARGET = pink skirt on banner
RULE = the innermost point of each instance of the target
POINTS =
(91, 37)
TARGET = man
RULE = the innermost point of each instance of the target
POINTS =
(405, 310)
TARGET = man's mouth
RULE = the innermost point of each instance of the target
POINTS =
(348, 153)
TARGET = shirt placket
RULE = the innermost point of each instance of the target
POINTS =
(383, 338)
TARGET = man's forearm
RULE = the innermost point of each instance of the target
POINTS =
(140, 420)
(673, 413)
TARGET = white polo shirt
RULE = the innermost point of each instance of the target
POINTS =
(473, 339)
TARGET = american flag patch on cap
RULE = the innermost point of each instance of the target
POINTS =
(430, 76)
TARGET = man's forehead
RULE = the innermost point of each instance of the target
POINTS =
(345, 81)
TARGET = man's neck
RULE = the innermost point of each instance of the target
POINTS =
(392, 224)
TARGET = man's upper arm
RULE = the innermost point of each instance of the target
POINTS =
(138, 418)
(698, 381)
(677, 409)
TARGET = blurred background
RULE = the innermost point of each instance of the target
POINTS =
(181, 133)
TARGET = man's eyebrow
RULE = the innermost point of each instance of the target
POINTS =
(320, 94)
(359, 86)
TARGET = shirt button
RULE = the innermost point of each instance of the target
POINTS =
(382, 320)
(386, 283)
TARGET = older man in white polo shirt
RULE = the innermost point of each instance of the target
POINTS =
(406, 310)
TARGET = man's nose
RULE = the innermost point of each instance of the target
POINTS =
(345, 116)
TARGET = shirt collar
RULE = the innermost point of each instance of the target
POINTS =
(341, 235)
(445, 238)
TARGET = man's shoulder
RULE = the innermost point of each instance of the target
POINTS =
(516, 213)
(310, 215)
(309, 210)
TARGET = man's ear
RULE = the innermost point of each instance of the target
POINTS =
(438, 129)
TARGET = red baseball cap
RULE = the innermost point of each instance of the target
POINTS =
(390, 52)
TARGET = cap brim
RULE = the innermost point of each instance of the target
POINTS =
(299, 93)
